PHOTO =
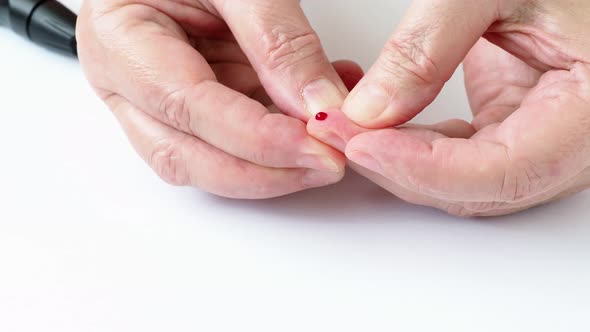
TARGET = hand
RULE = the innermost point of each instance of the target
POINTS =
(197, 86)
(528, 82)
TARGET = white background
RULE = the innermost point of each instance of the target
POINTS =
(91, 240)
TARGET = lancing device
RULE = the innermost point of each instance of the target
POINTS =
(44, 22)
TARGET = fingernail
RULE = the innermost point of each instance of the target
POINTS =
(317, 162)
(321, 95)
(367, 104)
(314, 178)
(365, 160)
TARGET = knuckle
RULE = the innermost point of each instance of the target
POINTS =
(404, 55)
(240, 181)
(521, 181)
(167, 161)
(531, 180)
(175, 111)
(284, 47)
(258, 155)
(270, 149)
(259, 152)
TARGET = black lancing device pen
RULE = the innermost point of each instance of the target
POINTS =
(44, 22)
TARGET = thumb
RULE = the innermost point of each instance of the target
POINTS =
(286, 53)
(423, 53)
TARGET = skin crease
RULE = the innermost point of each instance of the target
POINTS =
(199, 87)
(527, 76)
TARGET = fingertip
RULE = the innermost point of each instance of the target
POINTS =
(365, 104)
(372, 107)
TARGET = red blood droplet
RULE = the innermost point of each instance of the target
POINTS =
(321, 116)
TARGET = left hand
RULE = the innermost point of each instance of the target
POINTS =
(529, 142)
(198, 87)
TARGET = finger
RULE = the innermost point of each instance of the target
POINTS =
(423, 53)
(335, 129)
(286, 53)
(244, 128)
(406, 194)
(454, 128)
(470, 209)
(447, 169)
(427, 134)
(350, 72)
(457, 129)
(181, 159)
(182, 91)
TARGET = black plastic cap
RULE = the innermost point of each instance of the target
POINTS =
(4, 13)
(19, 14)
(54, 26)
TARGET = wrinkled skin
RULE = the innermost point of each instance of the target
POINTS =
(528, 82)
(214, 93)
(204, 112)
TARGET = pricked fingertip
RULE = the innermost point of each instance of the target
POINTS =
(321, 116)
(334, 129)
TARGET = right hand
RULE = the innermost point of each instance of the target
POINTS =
(529, 88)
(197, 85)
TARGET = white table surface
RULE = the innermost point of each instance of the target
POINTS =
(91, 240)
